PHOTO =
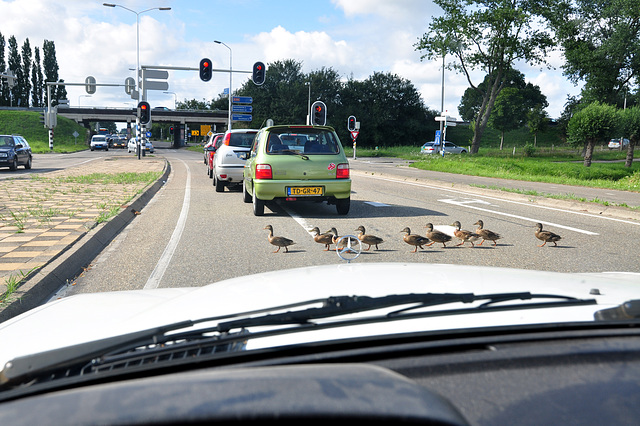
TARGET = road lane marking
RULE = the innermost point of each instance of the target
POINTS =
(503, 200)
(167, 255)
(466, 205)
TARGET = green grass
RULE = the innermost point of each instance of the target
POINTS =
(27, 124)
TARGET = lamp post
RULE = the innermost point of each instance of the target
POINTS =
(82, 96)
(230, 74)
(175, 98)
(138, 129)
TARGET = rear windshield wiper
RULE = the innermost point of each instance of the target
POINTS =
(293, 152)
(23, 368)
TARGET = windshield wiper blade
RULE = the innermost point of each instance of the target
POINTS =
(294, 152)
(342, 305)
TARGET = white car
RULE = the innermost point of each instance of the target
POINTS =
(131, 145)
(228, 163)
(148, 146)
(375, 342)
(99, 142)
(615, 143)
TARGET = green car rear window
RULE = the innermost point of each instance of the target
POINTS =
(304, 141)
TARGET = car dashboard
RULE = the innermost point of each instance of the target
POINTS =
(550, 374)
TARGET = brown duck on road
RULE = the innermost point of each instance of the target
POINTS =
(278, 241)
(371, 240)
(485, 234)
(464, 235)
(436, 236)
(546, 236)
(326, 238)
(414, 239)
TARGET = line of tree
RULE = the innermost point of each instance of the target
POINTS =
(31, 74)
(388, 107)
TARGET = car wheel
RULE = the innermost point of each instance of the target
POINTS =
(14, 165)
(210, 173)
(27, 165)
(91, 149)
(258, 205)
(106, 149)
(217, 183)
(246, 197)
(342, 206)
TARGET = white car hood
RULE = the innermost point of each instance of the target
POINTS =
(89, 317)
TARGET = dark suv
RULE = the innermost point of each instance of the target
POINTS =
(14, 151)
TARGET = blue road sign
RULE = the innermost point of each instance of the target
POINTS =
(242, 108)
(437, 140)
(240, 117)
(242, 99)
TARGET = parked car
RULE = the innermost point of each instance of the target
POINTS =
(449, 148)
(228, 163)
(15, 151)
(216, 141)
(99, 142)
(615, 143)
(280, 168)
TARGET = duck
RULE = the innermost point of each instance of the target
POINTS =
(436, 236)
(326, 238)
(336, 237)
(546, 236)
(414, 239)
(370, 240)
(278, 241)
(464, 235)
(485, 234)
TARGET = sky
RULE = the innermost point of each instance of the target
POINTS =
(354, 37)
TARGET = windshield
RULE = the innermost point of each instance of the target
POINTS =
(335, 185)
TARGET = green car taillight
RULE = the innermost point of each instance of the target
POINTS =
(342, 171)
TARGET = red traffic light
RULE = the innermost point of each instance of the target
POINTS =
(206, 71)
(319, 115)
(144, 112)
(258, 73)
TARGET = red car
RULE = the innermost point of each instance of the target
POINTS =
(210, 150)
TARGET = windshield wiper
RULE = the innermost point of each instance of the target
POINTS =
(294, 152)
(24, 368)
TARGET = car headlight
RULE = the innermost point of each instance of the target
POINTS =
(3, 155)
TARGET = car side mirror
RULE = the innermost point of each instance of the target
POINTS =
(245, 155)
(18, 146)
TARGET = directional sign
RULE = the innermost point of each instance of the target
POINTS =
(129, 85)
(155, 74)
(156, 85)
(242, 99)
(242, 108)
(90, 85)
(240, 117)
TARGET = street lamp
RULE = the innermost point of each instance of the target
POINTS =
(230, 73)
(82, 96)
(175, 99)
(137, 55)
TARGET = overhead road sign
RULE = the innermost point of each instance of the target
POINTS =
(242, 99)
(242, 108)
(241, 117)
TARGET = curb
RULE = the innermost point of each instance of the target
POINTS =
(71, 263)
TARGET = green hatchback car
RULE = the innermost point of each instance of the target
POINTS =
(297, 163)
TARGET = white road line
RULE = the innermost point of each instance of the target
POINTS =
(466, 205)
(502, 200)
(167, 255)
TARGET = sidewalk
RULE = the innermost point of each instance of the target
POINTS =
(42, 215)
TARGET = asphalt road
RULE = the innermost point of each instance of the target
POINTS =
(189, 235)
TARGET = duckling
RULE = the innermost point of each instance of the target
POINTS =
(464, 235)
(371, 240)
(414, 239)
(485, 234)
(436, 236)
(278, 241)
(343, 243)
(546, 236)
(326, 239)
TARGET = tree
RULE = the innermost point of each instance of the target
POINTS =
(601, 44)
(15, 65)
(50, 66)
(4, 87)
(36, 79)
(487, 34)
(537, 121)
(26, 73)
(508, 112)
(630, 123)
(594, 122)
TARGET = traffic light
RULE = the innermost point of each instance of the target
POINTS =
(44, 118)
(144, 112)
(171, 130)
(351, 123)
(318, 113)
(205, 69)
(258, 73)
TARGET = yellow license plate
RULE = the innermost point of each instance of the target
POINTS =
(304, 191)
